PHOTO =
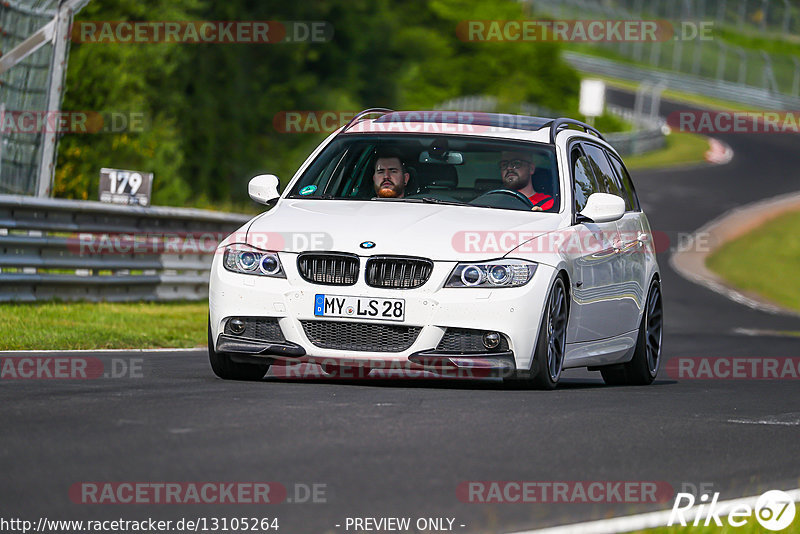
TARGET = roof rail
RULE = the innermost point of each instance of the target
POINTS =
(558, 124)
(360, 114)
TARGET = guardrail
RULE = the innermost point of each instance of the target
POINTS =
(707, 57)
(638, 142)
(86, 250)
(717, 89)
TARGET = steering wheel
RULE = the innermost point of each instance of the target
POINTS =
(516, 194)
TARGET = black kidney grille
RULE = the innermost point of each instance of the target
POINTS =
(260, 328)
(397, 272)
(464, 340)
(329, 269)
(360, 336)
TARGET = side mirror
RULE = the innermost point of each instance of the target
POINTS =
(264, 188)
(602, 207)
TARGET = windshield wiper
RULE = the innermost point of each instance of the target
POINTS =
(432, 200)
(315, 197)
(423, 200)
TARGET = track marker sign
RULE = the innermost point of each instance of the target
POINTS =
(592, 98)
(118, 186)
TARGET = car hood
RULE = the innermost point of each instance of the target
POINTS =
(435, 231)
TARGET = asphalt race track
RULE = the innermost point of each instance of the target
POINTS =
(401, 448)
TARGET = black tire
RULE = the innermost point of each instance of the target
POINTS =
(548, 361)
(227, 369)
(643, 367)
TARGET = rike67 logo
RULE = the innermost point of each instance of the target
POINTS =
(774, 510)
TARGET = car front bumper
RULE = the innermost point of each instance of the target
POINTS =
(515, 313)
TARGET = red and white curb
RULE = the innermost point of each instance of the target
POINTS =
(718, 153)
(690, 263)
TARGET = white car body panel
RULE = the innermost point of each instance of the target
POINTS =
(516, 310)
(607, 285)
(397, 228)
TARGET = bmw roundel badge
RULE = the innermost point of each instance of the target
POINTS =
(367, 244)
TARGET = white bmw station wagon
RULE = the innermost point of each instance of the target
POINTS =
(496, 244)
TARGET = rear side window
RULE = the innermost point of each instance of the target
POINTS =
(631, 200)
(606, 178)
(584, 183)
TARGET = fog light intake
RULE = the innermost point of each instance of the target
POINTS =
(491, 340)
(237, 326)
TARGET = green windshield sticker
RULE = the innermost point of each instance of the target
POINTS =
(307, 190)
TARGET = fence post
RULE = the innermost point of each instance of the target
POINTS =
(722, 9)
(698, 52)
(742, 66)
(742, 13)
(787, 16)
(677, 55)
(655, 53)
(769, 76)
(55, 90)
(723, 53)
(641, 92)
(638, 105)
(655, 102)
(2, 122)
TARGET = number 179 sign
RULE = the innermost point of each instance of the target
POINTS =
(118, 186)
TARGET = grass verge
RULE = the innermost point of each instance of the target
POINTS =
(751, 527)
(765, 260)
(85, 325)
(681, 149)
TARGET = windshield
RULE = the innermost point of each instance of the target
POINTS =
(441, 169)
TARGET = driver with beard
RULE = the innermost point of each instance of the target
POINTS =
(516, 170)
(390, 176)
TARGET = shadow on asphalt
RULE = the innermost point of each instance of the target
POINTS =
(460, 384)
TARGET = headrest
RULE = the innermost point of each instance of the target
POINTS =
(542, 180)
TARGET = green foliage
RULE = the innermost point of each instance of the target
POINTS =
(211, 106)
(126, 78)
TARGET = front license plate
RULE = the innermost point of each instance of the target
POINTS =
(364, 307)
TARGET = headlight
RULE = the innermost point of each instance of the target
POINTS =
(248, 260)
(498, 273)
